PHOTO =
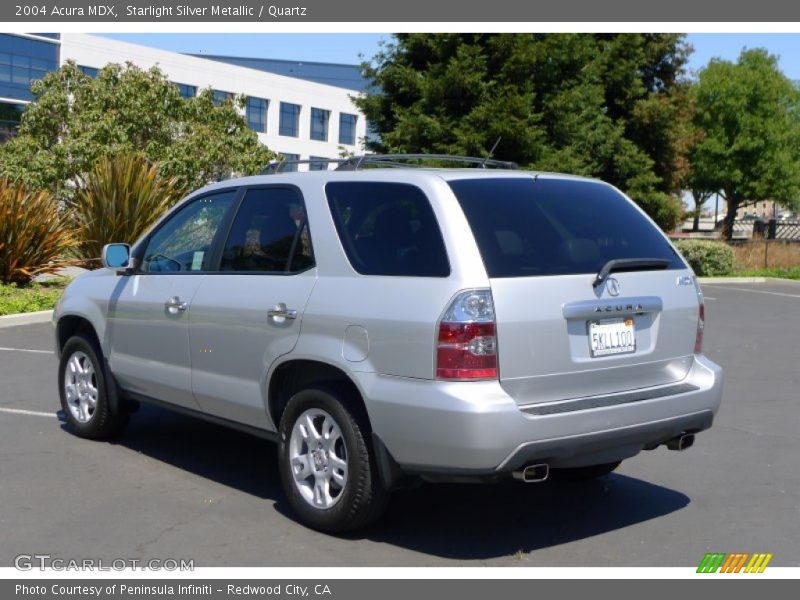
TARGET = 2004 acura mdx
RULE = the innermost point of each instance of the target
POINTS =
(386, 325)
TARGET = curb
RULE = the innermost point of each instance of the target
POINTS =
(734, 279)
(26, 318)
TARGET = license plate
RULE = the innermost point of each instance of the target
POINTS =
(611, 336)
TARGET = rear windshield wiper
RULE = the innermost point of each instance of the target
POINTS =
(629, 264)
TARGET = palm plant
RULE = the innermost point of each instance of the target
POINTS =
(34, 234)
(118, 200)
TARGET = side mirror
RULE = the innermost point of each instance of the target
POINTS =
(116, 256)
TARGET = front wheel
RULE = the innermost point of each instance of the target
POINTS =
(326, 463)
(83, 391)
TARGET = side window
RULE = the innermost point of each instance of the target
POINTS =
(269, 234)
(184, 242)
(387, 229)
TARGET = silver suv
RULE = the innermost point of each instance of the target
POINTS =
(391, 325)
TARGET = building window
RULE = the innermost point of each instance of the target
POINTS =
(90, 71)
(23, 60)
(318, 163)
(186, 91)
(347, 129)
(319, 124)
(287, 157)
(257, 114)
(218, 97)
(10, 115)
(290, 119)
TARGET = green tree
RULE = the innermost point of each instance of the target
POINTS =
(609, 106)
(749, 115)
(75, 120)
(695, 178)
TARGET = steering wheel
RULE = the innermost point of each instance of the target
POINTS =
(164, 257)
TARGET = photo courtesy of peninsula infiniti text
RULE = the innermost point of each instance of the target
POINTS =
(386, 322)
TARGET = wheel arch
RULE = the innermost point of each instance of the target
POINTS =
(70, 324)
(291, 376)
(296, 374)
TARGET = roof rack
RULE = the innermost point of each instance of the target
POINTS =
(402, 161)
(398, 160)
(278, 166)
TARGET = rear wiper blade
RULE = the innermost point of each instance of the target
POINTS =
(629, 264)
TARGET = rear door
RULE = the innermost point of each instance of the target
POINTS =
(543, 240)
(250, 311)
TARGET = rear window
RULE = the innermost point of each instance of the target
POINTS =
(387, 229)
(530, 227)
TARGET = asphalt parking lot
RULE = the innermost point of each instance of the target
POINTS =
(176, 487)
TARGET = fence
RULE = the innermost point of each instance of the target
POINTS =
(766, 244)
(772, 229)
(787, 230)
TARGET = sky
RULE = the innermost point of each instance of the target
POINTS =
(729, 45)
(350, 48)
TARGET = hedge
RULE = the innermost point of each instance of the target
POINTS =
(707, 258)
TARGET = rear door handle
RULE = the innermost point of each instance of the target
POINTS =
(175, 305)
(281, 312)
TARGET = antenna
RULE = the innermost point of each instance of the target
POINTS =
(491, 152)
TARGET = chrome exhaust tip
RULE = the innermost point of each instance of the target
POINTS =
(532, 473)
(682, 442)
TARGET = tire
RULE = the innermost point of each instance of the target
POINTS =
(83, 389)
(328, 498)
(583, 473)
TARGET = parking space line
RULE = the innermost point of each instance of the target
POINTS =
(33, 413)
(27, 350)
(726, 287)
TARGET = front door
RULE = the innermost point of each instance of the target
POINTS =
(150, 310)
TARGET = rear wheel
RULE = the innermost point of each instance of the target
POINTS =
(327, 466)
(82, 386)
(583, 473)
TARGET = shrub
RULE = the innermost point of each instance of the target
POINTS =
(31, 298)
(707, 258)
(34, 233)
(118, 200)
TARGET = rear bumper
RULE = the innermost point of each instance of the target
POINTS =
(476, 429)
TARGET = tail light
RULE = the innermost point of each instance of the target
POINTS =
(467, 338)
(701, 319)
